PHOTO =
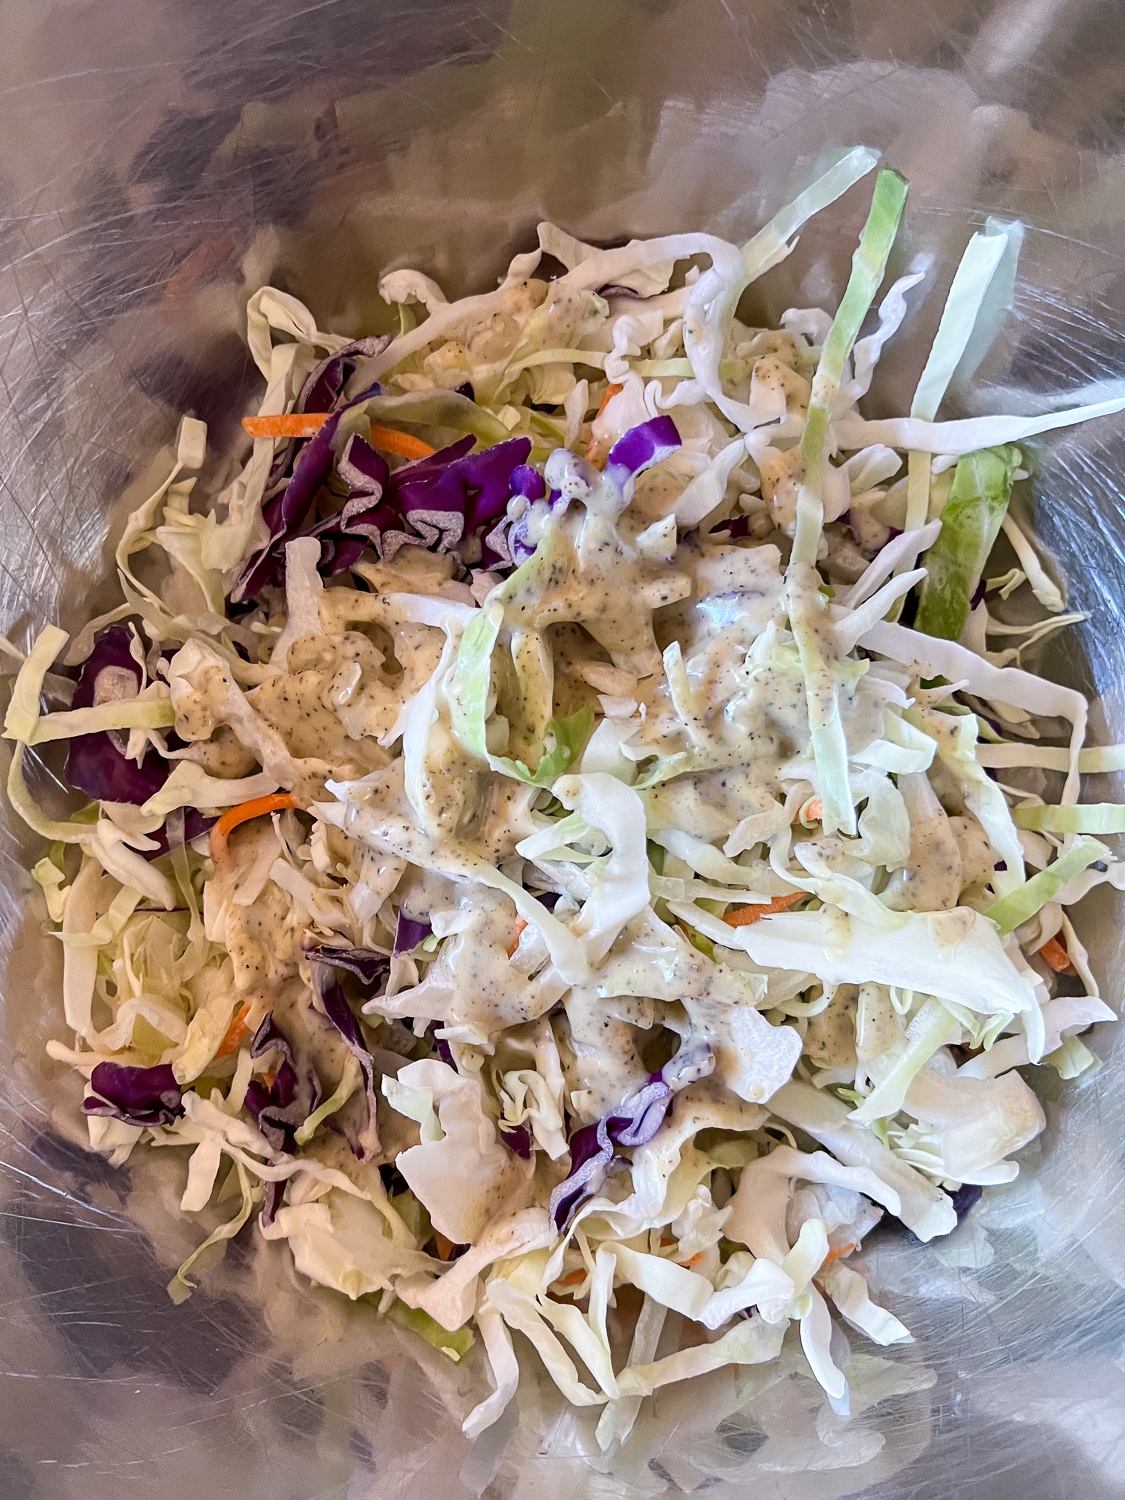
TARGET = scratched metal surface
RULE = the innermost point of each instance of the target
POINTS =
(160, 157)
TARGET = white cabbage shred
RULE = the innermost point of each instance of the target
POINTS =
(667, 859)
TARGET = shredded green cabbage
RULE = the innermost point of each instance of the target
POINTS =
(1021, 905)
(970, 524)
(807, 606)
(1089, 817)
(635, 860)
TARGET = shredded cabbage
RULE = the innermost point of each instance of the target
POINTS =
(805, 602)
(1090, 817)
(970, 524)
(1021, 905)
(510, 823)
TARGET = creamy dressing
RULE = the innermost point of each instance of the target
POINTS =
(830, 1037)
(643, 933)
(932, 877)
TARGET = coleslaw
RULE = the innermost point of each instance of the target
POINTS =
(527, 854)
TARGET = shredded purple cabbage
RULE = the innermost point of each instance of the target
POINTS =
(276, 1108)
(139, 1096)
(441, 1046)
(964, 1198)
(365, 472)
(634, 1123)
(453, 501)
(324, 387)
(591, 1153)
(340, 1013)
(275, 1191)
(441, 502)
(322, 391)
(517, 1138)
(94, 764)
(367, 967)
(409, 932)
(527, 481)
(510, 543)
(639, 448)
(284, 514)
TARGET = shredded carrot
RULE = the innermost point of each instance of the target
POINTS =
(269, 1078)
(520, 925)
(836, 1254)
(286, 425)
(666, 1239)
(811, 812)
(444, 1246)
(610, 391)
(235, 1032)
(1053, 953)
(400, 443)
(573, 1278)
(242, 814)
(744, 915)
(597, 450)
(296, 424)
(694, 1261)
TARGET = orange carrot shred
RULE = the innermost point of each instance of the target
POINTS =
(255, 808)
(614, 389)
(400, 443)
(1053, 953)
(444, 1246)
(235, 1032)
(597, 450)
(298, 424)
(573, 1278)
(744, 915)
(520, 925)
(286, 424)
(811, 812)
(837, 1253)
(694, 1261)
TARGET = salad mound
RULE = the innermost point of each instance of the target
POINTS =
(558, 822)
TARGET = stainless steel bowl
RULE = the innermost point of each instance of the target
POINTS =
(156, 162)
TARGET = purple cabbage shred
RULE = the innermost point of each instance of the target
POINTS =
(517, 1138)
(276, 1107)
(964, 1198)
(634, 1123)
(410, 932)
(640, 448)
(324, 387)
(367, 967)
(139, 1096)
(340, 1013)
(94, 764)
(441, 1046)
(444, 502)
